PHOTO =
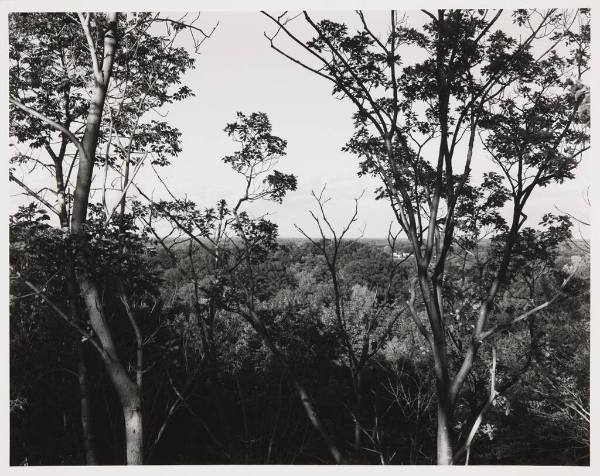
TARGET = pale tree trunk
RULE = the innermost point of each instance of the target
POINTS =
(134, 443)
(444, 433)
(445, 408)
(316, 422)
(128, 391)
(87, 427)
(445, 405)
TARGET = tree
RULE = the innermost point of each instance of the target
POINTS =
(363, 319)
(237, 243)
(505, 86)
(55, 59)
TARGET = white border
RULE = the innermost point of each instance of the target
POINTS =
(248, 6)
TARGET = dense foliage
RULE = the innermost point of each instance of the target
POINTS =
(247, 411)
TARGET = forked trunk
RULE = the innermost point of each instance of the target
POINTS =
(127, 389)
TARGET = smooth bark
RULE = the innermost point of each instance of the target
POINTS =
(444, 432)
(127, 390)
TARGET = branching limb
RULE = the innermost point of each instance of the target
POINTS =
(33, 194)
(138, 338)
(52, 123)
(85, 24)
(466, 448)
(137, 168)
(414, 315)
(86, 335)
(499, 327)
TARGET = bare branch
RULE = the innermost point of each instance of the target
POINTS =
(467, 446)
(499, 327)
(64, 317)
(85, 24)
(33, 194)
(414, 315)
(138, 337)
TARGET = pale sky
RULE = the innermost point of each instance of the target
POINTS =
(237, 71)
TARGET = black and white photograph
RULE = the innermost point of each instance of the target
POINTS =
(321, 236)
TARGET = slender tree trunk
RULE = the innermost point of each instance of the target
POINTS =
(128, 391)
(92, 128)
(277, 414)
(87, 427)
(357, 409)
(310, 411)
(89, 439)
(134, 444)
(445, 452)
(316, 422)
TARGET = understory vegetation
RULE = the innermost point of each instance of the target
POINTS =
(218, 395)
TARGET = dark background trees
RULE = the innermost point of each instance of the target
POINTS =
(536, 420)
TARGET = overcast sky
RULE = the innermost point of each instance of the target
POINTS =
(237, 71)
